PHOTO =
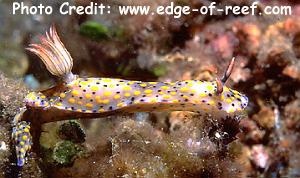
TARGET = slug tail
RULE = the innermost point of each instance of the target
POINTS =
(53, 53)
(23, 141)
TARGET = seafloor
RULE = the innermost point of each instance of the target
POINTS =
(263, 142)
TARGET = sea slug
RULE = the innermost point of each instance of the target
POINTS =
(75, 97)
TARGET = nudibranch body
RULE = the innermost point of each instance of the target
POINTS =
(78, 97)
(98, 95)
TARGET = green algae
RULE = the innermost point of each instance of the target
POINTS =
(72, 131)
(65, 152)
(159, 70)
(60, 141)
(94, 30)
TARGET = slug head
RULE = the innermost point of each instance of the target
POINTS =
(228, 102)
(231, 101)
